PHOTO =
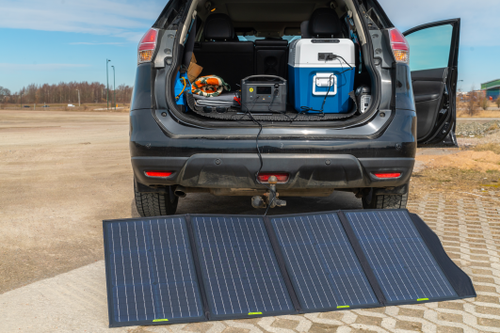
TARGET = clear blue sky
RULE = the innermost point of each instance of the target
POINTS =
(49, 41)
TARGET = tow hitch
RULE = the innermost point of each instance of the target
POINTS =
(271, 197)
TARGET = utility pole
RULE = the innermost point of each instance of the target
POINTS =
(114, 87)
(78, 96)
(107, 84)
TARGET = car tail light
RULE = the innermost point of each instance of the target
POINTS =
(264, 177)
(159, 174)
(147, 46)
(387, 175)
(400, 46)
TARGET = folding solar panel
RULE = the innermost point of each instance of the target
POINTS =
(197, 268)
(151, 273)
(323, 267)
(403, 265)
(240, 271)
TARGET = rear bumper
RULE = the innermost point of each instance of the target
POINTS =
(318, 171)
(329, 159)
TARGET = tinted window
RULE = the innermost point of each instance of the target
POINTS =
(430, 48)
(291, 38)
(249, 38)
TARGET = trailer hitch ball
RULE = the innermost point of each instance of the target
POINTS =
(273, 196)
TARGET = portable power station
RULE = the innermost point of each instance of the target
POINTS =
(263, 93)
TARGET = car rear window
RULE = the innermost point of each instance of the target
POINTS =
(254, 38)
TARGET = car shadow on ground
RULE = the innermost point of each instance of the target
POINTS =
(201, 203)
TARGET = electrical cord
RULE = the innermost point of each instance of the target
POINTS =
(283, 113)
(261, 127)
(259, 153)
(273, 197)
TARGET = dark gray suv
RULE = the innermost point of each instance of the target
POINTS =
(323, 96)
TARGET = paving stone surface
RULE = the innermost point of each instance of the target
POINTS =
(469, 228)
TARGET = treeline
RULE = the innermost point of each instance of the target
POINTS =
(66, 93)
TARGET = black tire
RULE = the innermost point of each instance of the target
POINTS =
(156, 204)
(385, 201)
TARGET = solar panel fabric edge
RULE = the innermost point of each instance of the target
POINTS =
(107, 268)
(109, 285)
(460, 281)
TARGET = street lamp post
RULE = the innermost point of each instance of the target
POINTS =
(78, 96)
(114, 87)
(107, 84)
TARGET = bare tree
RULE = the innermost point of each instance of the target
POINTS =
(471, 102)
(4, 93)
(483, 102)
(67, 93)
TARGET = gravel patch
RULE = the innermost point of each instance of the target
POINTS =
(474, 129)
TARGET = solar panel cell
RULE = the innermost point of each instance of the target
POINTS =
(240, 271)
(398, 256)
(152, 272)
(323, 267)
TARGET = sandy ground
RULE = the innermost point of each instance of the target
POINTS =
(60, 173)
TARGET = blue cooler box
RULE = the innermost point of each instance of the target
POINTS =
(315, 70)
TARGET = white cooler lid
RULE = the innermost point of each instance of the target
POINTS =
(305, 52)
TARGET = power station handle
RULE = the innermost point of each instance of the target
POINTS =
(261, 76)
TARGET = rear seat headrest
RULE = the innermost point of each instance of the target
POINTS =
(304, 29)
(324, 22)
(219, 27)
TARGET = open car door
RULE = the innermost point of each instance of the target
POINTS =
(433, 64)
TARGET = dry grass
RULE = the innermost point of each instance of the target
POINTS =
(494, 147)
(464, 171)
(479, 114)
(453, 182)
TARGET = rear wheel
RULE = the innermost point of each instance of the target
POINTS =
(156, 204)
(371, 201)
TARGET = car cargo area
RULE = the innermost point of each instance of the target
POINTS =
(272, 61)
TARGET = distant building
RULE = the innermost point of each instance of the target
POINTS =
(492, 89)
